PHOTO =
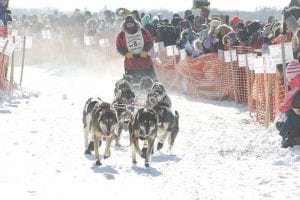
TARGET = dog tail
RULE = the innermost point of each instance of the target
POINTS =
(175, 130)
(176, 117)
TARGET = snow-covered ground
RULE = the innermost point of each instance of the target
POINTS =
(220, 152)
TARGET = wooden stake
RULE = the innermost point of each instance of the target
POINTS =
(2, 67)
(23, 60)
(276, 95)
(248, 87)
(284, 68)
(232, 76)
(12, 69)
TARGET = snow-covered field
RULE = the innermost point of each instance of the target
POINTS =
(220, 152)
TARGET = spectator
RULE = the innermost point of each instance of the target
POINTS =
(290, 130)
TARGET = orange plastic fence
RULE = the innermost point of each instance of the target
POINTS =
(207, 77)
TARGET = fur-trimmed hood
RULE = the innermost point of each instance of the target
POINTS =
(138, 24)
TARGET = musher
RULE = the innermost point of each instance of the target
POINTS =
(134, 42)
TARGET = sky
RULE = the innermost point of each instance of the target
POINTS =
(220, 152)
(173, 5)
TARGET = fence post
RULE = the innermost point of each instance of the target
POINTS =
(232, 76)
(23, 60)
(267, 96)
(2, 67)
(11, 81)
(276, 95)
(257, 98)
(221, 83)
(284, 68)
(248, 87)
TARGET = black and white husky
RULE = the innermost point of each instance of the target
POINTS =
(99, 122)
(143, 126)
(122, 102)
(168, 125)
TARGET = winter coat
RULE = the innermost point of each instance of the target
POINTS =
(288, 100)
(137, 62)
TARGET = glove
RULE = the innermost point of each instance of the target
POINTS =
(144, 54)
(128, 55)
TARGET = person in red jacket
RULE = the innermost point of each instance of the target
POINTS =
(290, 130)
(134, 42)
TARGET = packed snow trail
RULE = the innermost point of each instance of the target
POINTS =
(220, 152)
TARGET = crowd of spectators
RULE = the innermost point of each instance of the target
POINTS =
(196, 33)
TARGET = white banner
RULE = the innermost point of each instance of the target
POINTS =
(242, 60)
(170, 50)
(233, 55)
(156, 47)
(176, 51)
(14, 32)
(227, 57)
(87, 40)
(46, 34)
(161, 45)
(288, 49)
(182, 54)
(270, 66)
(275, 53)
(259, 65)
(18, 41)
(250, 58)
(104, 43)
(28, 44)
(220, 55)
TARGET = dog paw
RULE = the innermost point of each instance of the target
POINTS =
(143, 154)
(91, 146)
(87, 152)
(147, 165)
(98, 163)
(134, 162)
(159, 146)
(105, 157)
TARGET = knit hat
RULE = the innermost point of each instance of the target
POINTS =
(235, 20)
(129, 19)
(213, 26)
(293, 69)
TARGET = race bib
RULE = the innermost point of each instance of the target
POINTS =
(135, 42)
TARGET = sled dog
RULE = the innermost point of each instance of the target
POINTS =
(168, 125)
(143, 126)
(122, 103)
(99, 122)
(157, 95)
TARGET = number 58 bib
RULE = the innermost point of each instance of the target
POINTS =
(135, 42)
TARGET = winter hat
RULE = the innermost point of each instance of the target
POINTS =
(293, 69)
(253, 27)
(213, 26)
(129, 19)
(224, 27)
(187, 13)
(146, 20)
(276, 28)
(235, 20)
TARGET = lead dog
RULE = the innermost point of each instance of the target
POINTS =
(99, 122)
(143, 126)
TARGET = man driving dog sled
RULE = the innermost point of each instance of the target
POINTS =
(134, 42)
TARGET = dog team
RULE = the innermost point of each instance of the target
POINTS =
(143, 109)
